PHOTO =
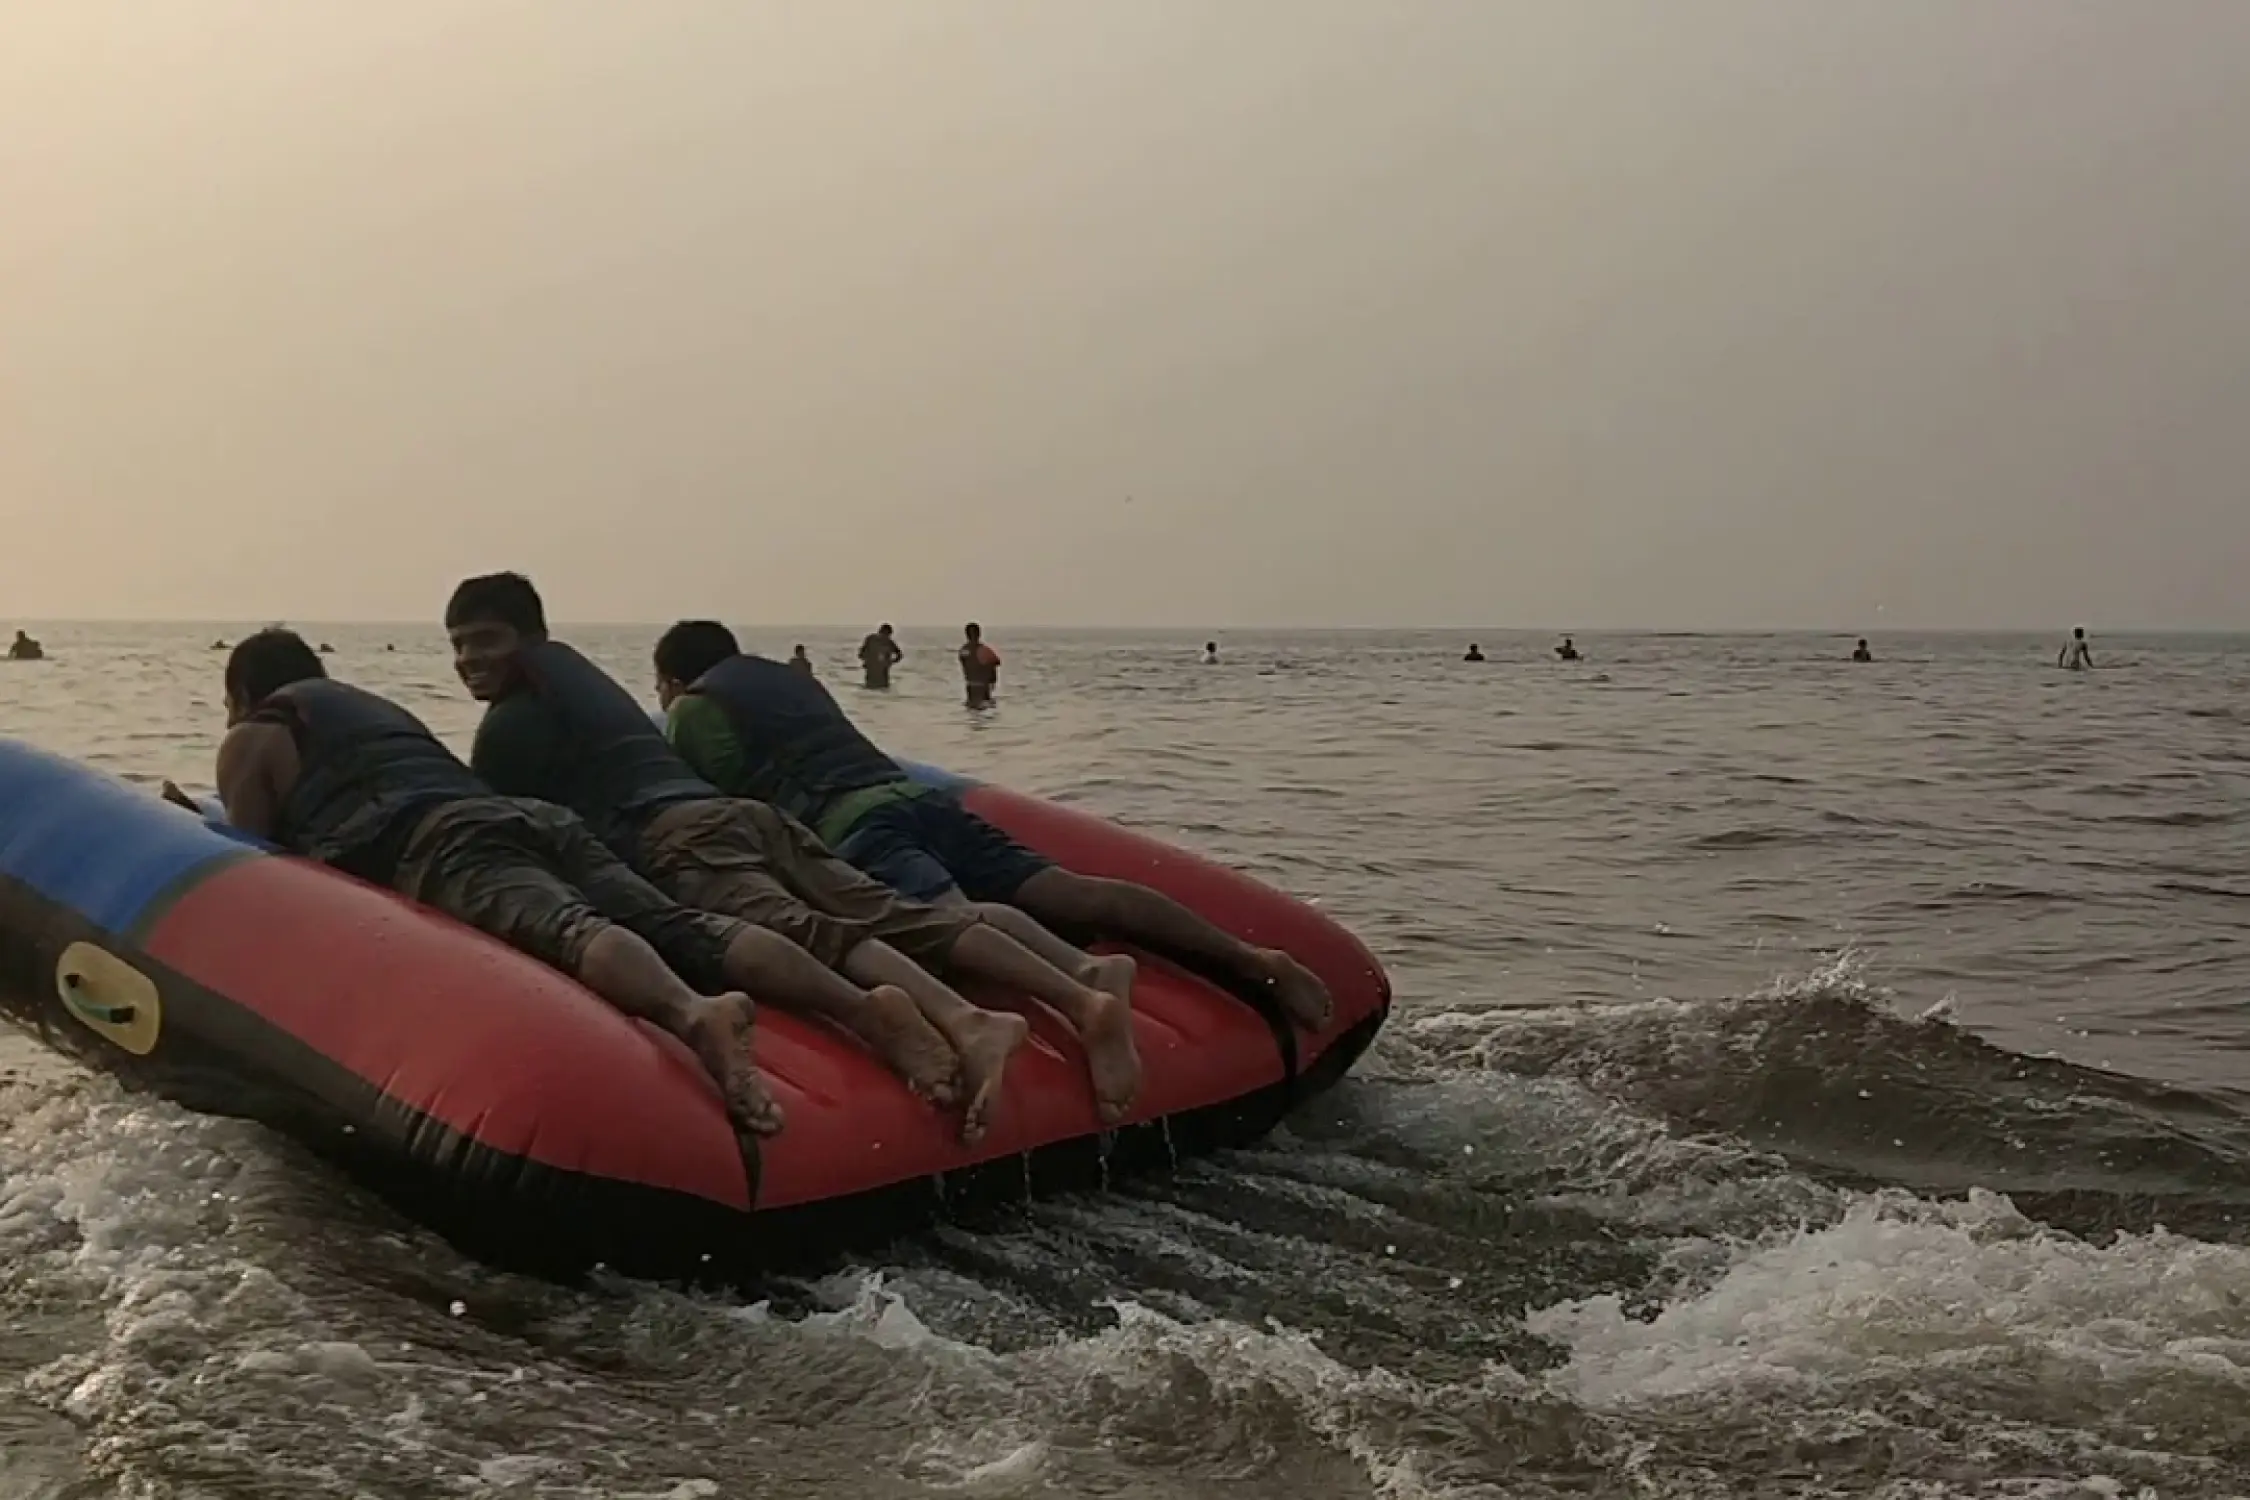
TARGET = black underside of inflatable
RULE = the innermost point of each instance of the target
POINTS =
(219, 1058)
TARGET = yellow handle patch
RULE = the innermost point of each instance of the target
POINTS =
(114, 1000)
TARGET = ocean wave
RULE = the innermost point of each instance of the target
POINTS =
(1660, 1247)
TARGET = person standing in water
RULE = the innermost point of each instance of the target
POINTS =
(980, 666)
(1861, 653)
(24, 648)
(1475, 652)
(2076, 655)
(1568, 650)
(877, 655)
(798, 661)
(1210, 653)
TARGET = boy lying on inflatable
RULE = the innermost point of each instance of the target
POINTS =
(735, 841)
(337, 774)
(559, 729)
(756, 729)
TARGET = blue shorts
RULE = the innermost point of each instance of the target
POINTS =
(928, 846)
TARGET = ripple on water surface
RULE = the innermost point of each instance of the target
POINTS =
(1611, 1210)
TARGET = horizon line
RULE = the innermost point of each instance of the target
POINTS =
(1208, 629)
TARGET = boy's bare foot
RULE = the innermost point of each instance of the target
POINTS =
(718, 1030)
(892, 1027)
(1111, 1057)
(1304, 999)
(986, 1042)
(1112, 974)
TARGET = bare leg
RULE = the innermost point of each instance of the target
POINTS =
(1104, 1021)
(1136, 913)
(884, 1018)
(1110, 972)
(627, 973)
(983, 1040)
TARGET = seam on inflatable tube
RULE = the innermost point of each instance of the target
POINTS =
(174, 890)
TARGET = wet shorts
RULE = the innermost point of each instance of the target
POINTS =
(533, 876)
(925, 846)
(756, 862)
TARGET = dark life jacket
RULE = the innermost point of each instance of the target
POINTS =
(613, 768)
(799, 749)
(367, 772)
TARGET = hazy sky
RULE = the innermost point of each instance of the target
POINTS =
(1842, 313)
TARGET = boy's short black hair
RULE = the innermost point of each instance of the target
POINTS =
(507, 598)
(693, 647)
(264, 663)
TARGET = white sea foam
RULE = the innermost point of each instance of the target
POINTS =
(1901, 1285)
(208, 1337)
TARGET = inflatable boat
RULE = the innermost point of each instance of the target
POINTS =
(509, 1109)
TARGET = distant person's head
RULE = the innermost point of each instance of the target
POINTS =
(261, 665)
(1863, 643)
(687, 651)
(489, 619)
(884, 630)
(1212, 647)
(23, 635)
(2078, 634)
(798, 650)
(972, 632)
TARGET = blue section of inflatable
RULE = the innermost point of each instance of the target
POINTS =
(91, 843)
(932, 776)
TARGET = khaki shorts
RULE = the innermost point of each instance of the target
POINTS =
(755, 862)
(533, 876)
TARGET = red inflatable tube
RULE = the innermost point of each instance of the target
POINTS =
(507, 1106)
